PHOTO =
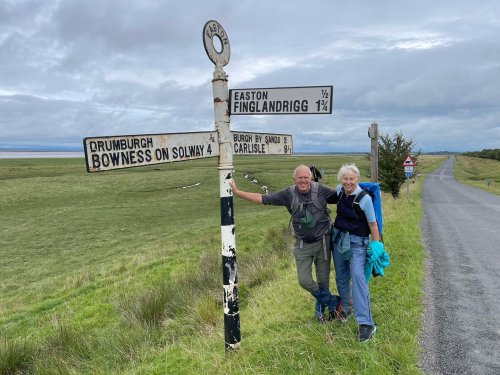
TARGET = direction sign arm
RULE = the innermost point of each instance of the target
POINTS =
(252, 197)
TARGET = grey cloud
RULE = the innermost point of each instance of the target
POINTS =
(76, 68)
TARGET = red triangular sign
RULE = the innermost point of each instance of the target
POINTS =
(408, 161)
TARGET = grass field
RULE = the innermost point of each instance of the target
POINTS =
(120, 272)
(481, 173)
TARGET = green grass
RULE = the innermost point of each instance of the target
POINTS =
(478, 172)
(119, 272)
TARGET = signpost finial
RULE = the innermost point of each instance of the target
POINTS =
(219, 58)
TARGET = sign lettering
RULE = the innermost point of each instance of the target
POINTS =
(281, 100)
(105, 153)
(246, 143)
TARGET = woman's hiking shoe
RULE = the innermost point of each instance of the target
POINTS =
(365, 332)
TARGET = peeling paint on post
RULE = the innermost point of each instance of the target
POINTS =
(220, 58)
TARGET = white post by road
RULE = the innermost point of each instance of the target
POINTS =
(232, 336)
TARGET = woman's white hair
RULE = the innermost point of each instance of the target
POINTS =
(348, 168)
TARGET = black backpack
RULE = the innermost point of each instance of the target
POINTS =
(316, 174)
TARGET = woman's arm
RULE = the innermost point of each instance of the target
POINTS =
(374, 231)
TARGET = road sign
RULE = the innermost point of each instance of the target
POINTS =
(246, 143)
(408, 168)
(408, 174)
(408, 161)
(281, 100)
(115, 152)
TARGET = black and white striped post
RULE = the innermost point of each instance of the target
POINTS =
(220, 58)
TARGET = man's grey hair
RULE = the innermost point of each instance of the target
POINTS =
(347, 168)
(302, 166)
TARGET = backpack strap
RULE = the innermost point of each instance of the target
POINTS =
(293, 208)
(295, 200)
(314, 196)
(355, 204)
(341, 193)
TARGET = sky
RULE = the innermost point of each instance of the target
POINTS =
(71, 69)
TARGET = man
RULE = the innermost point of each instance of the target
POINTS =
(307, 204)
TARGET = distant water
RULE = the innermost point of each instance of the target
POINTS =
(40, 154)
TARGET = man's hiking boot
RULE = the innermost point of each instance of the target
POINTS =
(334, 309)
(321, 319)
(344, 316)
(365, 332)
(319, 312)
(334, 315)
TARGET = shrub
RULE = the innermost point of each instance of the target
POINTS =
(392, 152)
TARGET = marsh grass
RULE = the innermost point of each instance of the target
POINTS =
(15, 356)
(119, 272)
(196, 288)
(478, 172)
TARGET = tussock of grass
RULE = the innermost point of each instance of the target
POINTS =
(151, 307)
(207, 311)
(15, 356)
(68, 350)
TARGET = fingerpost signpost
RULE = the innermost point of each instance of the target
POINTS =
(126, 151)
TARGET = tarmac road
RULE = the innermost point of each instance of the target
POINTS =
(461, 234)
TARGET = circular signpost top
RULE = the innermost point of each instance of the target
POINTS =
(213, 28)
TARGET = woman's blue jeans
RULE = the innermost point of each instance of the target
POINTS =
(350, 277)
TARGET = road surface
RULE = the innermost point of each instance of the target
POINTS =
(461, 235)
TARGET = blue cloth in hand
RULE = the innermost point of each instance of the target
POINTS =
(376, 260)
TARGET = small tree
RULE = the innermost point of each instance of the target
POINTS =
(391, 153)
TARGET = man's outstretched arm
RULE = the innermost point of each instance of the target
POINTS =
(252, 197)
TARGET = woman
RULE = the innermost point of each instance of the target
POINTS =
(350, 237)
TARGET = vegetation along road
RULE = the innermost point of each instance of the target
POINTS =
(460, 230)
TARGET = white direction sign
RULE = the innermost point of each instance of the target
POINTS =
(409, 169)
(246, 143)
(115, 152)
(281, 101)
(126, 151)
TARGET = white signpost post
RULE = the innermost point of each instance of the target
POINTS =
(232, 336)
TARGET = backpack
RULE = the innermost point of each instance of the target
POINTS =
(373, 190)
(314, 197)
(316, 174)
